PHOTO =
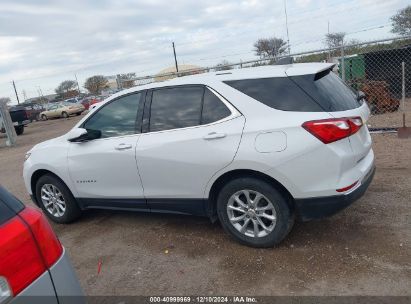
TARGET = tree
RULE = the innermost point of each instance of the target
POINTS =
(95, 84)
(270, 48)
(223, 66)
(401, 22)
(67, 89)
(5, 100)
(334, 40)
(127, 80)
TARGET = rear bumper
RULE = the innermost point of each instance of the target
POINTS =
(66, 284)
(320, 207)
(59, 285)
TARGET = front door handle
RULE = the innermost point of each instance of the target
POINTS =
(214, 135)
(121, 147)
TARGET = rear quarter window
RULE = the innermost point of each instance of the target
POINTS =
(279, 93)
(9, 205)
(328, 90)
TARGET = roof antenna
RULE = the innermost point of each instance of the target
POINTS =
(286, 25)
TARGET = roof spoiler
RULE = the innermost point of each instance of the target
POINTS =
(324, 72)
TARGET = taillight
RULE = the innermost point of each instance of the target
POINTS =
(20, 259)
(331, 130)
(28, 248)
(47, 241)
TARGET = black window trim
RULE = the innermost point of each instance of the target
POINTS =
(234, 112)
(138, 120)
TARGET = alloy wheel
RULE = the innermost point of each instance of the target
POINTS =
(251, 213)
(53, 200)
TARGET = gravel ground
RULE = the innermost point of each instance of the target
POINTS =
(364, 250)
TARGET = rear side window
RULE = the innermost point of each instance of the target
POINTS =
(328, 90)
(9, 205)
(279, 93)
(5, 213)
(174, 108)
(213, 109)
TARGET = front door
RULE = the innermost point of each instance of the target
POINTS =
(104, 170)
(192, 134)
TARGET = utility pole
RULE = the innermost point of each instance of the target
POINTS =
(175, 57)
(78, 86)
(286, 25)
(15, 91)
(24, 95)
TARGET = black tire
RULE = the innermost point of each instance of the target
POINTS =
(64, 115)
(78, 114)
(72, 211)
(44, 117)
(19, 130)
(284, 215)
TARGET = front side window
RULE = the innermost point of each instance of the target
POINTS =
(178, 107)
(117, 118)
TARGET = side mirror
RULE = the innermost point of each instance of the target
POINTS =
(82, 135)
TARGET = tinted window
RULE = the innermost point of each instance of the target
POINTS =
(329, 91)
(5, 213)
(9, 205)
(279, 93)
(176, 108)
(117, 118)
(213, 109)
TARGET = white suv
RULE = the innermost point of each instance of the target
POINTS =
(255, 148)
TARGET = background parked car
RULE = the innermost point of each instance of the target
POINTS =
(32, 260)
(63, 109)
(20, 118)
(33, 111)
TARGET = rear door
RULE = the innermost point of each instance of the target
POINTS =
(191, 133)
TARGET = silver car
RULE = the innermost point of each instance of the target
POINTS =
(34, 266)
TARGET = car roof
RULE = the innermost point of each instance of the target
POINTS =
(296, 69)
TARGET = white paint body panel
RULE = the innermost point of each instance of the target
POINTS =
(179, 163)
(99, 170)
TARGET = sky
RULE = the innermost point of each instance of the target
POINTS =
(43, 42)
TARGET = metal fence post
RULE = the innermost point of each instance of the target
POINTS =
(403, 87)
(342, 63)
(7, 124)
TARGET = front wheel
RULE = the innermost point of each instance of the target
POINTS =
(43, 117)
(254, 212)
(64, 115)
(56, 200)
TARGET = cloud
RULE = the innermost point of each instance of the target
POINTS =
(42, 42)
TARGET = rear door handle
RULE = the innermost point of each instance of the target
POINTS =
(121, 147)
(214, 135)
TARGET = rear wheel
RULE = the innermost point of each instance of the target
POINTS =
(254, 212)
(64, 115)
(43, 117)
(19, 130)
(56, 200)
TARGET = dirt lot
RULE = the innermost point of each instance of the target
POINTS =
(364, 250)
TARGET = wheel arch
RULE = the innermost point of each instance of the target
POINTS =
(36, 176)
(238, 173)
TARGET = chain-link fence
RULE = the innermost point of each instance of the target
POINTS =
(381, 69)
